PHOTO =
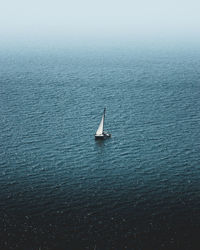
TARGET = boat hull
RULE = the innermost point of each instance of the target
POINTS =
(102, 137)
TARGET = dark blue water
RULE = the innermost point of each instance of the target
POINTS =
(61, 189)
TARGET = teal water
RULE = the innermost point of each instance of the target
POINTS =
(61, 189)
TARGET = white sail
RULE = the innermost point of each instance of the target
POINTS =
(100, 128)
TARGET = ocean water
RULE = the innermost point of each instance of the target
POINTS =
(61, 189)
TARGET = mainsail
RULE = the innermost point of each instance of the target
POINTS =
(100, 128)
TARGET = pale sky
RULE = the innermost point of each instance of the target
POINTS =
(103, 20)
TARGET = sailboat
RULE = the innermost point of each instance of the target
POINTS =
(101, 134)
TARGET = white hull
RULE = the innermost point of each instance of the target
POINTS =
(102, 136)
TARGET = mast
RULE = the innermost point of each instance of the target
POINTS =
(104, 113)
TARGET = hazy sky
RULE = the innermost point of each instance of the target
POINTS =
(102, 20)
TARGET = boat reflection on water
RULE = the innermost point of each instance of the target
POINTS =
(100, 143)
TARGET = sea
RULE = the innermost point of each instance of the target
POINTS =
(62, 189)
